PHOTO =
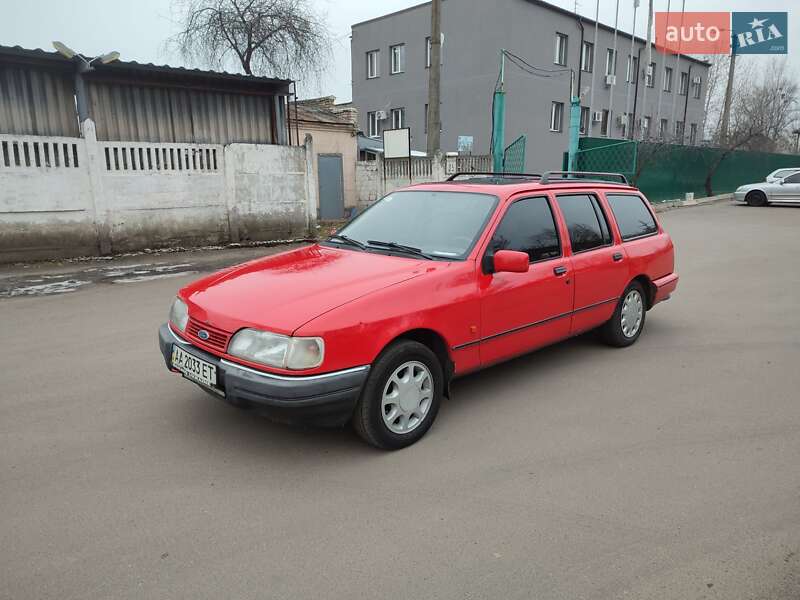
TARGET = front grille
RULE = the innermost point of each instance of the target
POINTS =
(217, 338)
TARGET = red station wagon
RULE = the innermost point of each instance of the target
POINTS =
(429, 283)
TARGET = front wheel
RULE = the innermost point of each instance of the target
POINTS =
(626, 324)
(401, 396)
(756, 198)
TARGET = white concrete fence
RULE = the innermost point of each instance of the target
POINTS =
(373, 181)
(76, 196)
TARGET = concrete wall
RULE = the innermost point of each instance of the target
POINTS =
(474, 33)
(373, 180)
(44, 206)
(75, 196)
(329, 140)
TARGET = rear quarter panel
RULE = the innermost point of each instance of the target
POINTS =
(652, 255)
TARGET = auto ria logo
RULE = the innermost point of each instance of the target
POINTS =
(721, 32)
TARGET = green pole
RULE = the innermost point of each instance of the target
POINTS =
(499, 119)
(574, 131)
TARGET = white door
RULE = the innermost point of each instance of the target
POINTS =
(788, 190)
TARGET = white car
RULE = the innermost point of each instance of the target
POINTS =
(779, 174)
(784, 191)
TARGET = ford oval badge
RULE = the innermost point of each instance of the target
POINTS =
(203, 334)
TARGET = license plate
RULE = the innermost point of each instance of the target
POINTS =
(193, 368)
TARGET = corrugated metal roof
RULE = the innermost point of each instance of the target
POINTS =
(148, 68)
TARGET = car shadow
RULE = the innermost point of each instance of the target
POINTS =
(218, 423)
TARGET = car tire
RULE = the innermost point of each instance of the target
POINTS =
(626, 324)
(401, 397)
(756, 198)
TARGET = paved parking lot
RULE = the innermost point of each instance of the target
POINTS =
(667, 470)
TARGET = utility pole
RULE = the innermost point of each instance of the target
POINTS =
(632, 77)
(435, 79)
(726, 107)
(649, 61)
(594, 67)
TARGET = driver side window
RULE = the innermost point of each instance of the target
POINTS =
(792, 178)
(528, 226)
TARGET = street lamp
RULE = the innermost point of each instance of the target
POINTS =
(84, 65)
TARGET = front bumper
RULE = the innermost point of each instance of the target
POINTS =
(325, 400)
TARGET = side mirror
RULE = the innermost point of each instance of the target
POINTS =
(511, 261)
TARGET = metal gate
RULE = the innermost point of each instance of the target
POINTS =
(514, 156)
(331, 190)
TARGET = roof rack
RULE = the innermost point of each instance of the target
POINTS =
(497, 175)
(548, 176)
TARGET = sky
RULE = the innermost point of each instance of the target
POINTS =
(139, 30)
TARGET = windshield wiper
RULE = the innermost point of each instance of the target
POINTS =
(346, 240)
(400, 248)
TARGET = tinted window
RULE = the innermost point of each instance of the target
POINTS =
(792, 178)
(633, 217)
(587, 225)
(528, 226)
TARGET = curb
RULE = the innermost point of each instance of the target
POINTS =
(671, 204)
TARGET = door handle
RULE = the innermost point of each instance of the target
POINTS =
(561, 270)
(617, 256)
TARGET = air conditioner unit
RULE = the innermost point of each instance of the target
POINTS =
(381, 115)
(611, 80)
(597, 116)
(697, 79)
(649, 70)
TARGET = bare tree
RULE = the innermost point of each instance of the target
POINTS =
(279, 38)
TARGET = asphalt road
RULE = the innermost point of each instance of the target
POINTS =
(667, 470)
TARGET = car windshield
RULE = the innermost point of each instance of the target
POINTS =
(443, 225)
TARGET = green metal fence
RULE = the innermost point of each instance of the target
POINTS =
(668, 171)
(514, 156)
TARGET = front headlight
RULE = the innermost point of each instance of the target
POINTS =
(277, 350)
(179, 314)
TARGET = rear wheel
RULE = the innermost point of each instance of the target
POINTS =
(756, 198)
(401, 396)
(626, 324)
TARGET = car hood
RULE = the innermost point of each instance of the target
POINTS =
(282, 292)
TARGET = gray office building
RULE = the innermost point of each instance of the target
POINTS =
(390, 57)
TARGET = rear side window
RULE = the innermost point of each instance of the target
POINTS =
(586, 222)
(633, 217)
(528, 226)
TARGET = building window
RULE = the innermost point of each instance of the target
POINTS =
(373, 64)
(556, 116)
(693, 134)
(631, 69)
(398, 118)
(428, 52)
(604, 122)
(646, 122)
(373, 128)
(667, 79)
(663, 129)
(584, 126)
(397, 55)
(697, 83)
(560, 57)
(587, 57)
(683, 88)
(679, 131)
(650, 75)
(611, 62)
